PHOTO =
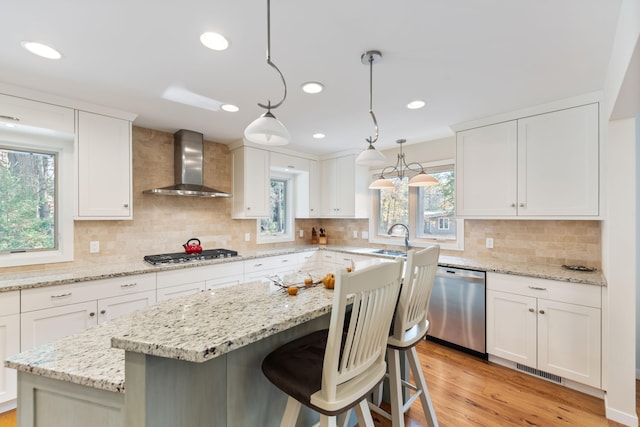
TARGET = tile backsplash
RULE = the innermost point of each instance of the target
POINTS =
(163, 223)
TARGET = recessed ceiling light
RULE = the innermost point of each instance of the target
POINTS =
(319, 135)
(414, 105)
(10, 125)
(41, 50)
(214, 41)
(230, 108)
(312, 87)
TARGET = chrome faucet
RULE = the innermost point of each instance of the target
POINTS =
(406, 235)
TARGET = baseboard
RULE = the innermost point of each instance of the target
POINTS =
(7, 406)
(624, 418)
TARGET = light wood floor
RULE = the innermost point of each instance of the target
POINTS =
(467, 391)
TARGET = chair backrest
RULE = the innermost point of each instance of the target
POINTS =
(354, 360)
(414, 298)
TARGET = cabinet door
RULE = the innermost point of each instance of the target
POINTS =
(569, 341)
(314, 189)
(180, 290)
(250, 183)
(44, 326)
(511, 327)
(9, 346)
(104, 167)
(223, 282)
(110, 308)
(486, 171)
(36, 114)
(328, 172)
(345, 186)
(558, 163)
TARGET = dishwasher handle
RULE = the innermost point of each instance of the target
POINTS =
(469, 275)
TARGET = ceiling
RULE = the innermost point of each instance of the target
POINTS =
(467, 59)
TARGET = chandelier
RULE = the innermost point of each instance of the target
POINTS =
(402, 169)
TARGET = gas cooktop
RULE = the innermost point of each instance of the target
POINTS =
(180, 257)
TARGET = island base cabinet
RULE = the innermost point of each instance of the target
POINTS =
(45, 402)
(552, 336)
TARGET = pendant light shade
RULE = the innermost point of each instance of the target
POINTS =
(267, 130)
(422, 180)
(371, 157)
(381, 184)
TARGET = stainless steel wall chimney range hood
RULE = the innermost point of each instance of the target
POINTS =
(188, 168)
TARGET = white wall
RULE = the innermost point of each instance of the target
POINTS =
(619, 242)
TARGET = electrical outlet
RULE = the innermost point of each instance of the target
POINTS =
(365, 235)
(355, 234)
(489, 243)
(247, 237)
(301, 233)
(94, 247)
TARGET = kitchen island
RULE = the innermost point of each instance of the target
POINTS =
(189, 361)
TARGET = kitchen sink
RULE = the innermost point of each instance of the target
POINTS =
(390, 252)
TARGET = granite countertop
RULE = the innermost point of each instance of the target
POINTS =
(194, 328)
(17, 281)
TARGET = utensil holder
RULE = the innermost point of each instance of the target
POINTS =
(323, 240)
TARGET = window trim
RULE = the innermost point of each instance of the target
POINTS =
(414, 241)
(63, 147)
(290, 236)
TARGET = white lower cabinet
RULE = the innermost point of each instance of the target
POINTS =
(548, 325)
(53, 312)
(9, 343)
(261, 268)
(188, 281)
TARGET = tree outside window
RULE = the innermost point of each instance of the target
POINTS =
(27, 200)
(276, 224)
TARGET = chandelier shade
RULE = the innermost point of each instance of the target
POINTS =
(370, 156)
(400, 170)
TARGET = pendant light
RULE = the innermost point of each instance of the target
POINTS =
(370, 156)
(422, 179)
(266, 129)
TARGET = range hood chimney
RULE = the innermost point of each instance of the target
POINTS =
(188, 168)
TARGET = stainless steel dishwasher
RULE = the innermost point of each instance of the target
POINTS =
(457, 310)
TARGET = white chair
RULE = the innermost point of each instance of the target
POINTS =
(332, 371)
(410, 326)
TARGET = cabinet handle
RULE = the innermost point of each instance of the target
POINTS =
(522, 205)
(257, 265)
(128, 285)
(103, 311)
(291, 167)
(92, 314)
(15, 119)
(126, 205)
(536, 288)
(285, 260)
(531, 310)
(513, 205)
(68, 294)
(311, 210)
(541, 311)
(248, 208)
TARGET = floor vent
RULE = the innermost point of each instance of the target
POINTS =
(538, 373)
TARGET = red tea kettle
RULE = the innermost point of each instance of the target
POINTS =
(192, 248)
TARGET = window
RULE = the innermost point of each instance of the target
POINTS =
(36, 199)
(429, 212)
(279, 226)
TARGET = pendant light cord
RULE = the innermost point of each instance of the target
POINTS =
(371, 139)
(268, 107)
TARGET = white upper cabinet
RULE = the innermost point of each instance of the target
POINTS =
(544, 165)
(104, 173)
(287, 163)
(250, 183)
(344, 189)
(20, 111)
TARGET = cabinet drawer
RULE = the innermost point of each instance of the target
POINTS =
(574, 293)
(54, 296)
(36, 114)
(198, 274)
(269, 263)
(10, 302)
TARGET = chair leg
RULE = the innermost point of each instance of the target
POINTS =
(291, 412)
(364, 414)
(425, 398)
(376, 399)
(395, 388)
(326, 421)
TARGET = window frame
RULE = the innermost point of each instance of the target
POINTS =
(414, 241)
(290, 203)
(63, 148)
